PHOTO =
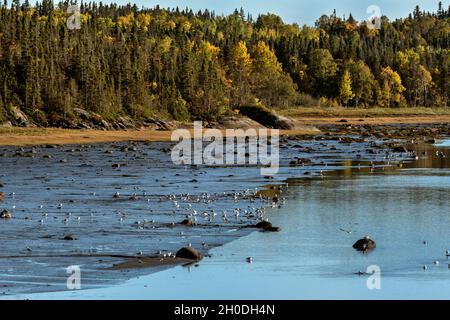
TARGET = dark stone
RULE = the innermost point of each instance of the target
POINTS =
(272, 229)
(300, 162)
(187, 222)
(400, 149)
(189, 253)
(345, 140)
(267, 226)
(5, 214)
(364, 244)
(264, 225)
(69, 238)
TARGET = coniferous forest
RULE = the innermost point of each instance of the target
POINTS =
(185, 65)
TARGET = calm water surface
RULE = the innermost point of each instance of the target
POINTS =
(405, 211)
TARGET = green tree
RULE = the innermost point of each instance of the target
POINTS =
(271, 85)
(364, 83)
(322, 71)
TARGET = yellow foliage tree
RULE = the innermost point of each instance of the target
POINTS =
(240, 71)
(345, 89)
(392, 88)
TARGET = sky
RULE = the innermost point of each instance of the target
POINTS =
(300, 11)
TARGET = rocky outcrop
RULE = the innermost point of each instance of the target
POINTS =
(20, 119)
(7, 124)
(284, 123)
(237, 122)
(89, 120)
(266, 117)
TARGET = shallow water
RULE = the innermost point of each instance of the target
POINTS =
(311, 257)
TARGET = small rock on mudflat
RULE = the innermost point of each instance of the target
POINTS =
(187, 223)
(400, 149)
(189, 253)
(5, 214)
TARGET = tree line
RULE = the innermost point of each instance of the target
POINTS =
(185, 65)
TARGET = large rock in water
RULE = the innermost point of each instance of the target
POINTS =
(364, 244)
(189, 253)
(263, 225)
(267, 226)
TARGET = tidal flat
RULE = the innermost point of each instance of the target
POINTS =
(65, 213)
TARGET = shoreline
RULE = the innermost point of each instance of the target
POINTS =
(21, 136)
(55, 136)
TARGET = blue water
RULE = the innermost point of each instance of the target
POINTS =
(443, 143)
(405, 211)
(312, 258)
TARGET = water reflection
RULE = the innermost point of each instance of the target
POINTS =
(404, 208)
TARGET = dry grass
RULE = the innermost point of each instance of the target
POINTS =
(318, 116)
(38, 136)
(372, 112)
